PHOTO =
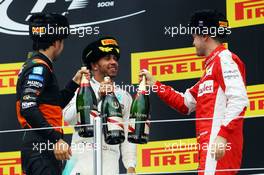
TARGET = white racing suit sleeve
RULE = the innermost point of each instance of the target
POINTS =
(232, 79)
(128, 150)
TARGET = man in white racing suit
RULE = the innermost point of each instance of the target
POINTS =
(101, 62)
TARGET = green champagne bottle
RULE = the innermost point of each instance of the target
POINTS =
(86, 105)
(139, 132)
(112, 118)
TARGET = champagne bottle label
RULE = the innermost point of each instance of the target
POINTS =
(83, 108)
(115, 123)
(78, 118)
(93, 114)
(141, 118)
(132, 125)
(147, 125)
(114, 120)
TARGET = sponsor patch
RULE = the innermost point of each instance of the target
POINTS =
(34, 84)
(223, 24)
(38, 70)
(35, 77)
(30, 90)
(106, 49)
(115, 104)
(231, 74)
(26, 105)
(106, 42)
(206, 87)
(28, 97)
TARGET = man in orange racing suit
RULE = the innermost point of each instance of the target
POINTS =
(39, 101)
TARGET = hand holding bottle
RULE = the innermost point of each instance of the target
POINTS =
(150, 80)
(78, 76)
(62, 150)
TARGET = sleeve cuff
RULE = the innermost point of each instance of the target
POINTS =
(223, 132)
(131, 165)
(72, 86)
(55, 136)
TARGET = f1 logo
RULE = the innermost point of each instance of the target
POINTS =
(41, 4)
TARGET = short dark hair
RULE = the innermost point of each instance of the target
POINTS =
(39, 25)
(37, 45)
(209, 19)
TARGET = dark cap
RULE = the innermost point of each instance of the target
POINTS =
(48, 27)
(100, 48)
(207, 19)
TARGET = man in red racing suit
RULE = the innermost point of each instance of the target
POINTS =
(219, 99)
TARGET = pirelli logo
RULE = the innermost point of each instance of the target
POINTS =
(168, 65)
(10, 163)
(256, 100)
(8, 77)
(109, 42)
(245, 12)
(167, 156)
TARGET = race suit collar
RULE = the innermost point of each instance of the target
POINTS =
(96, 84)
(213, 54)
(44, 58)
(95, 81)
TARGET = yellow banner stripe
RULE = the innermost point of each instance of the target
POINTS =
(242, 13)
(8, 77)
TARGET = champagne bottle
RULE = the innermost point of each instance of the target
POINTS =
(139, 132)
(86, 105)
(113, 126)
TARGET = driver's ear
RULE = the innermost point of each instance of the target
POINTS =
(94, 66)
(56, 43)
(206, 37)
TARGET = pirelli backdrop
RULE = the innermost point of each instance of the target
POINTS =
(150, 37)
